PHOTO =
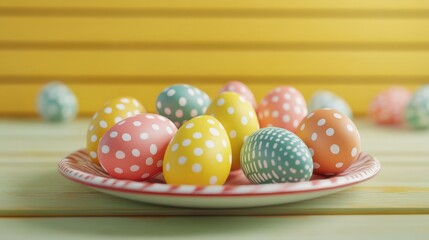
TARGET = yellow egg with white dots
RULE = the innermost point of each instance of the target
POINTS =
(199, 154)
(111, 113)
(238, 117)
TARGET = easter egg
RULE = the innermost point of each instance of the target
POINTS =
(57, 103)
(283, 107)
(238, 118)
(134, 148)
(332, 139)
(199, 154)
(242, 89)
(326, 99)
(275, 155)
(111, 113)
(417, 111)
(182, 102)
(388, 107)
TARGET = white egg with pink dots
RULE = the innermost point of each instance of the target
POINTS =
(134, 148)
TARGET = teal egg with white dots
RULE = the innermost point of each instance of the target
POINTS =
(275, 155)
(181, 102)
(417, 111)
(57, 103)
(327, 99)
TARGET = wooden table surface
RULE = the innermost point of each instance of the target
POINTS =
(36, 202)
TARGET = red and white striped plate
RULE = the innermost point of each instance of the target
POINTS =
(237, 191)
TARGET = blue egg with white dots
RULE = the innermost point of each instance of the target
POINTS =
(57, 103)
(181, 102)
(326, 99)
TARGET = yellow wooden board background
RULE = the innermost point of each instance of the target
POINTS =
(104, 49)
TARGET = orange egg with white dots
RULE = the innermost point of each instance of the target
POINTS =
(332, 139)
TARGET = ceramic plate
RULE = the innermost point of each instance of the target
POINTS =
(237, 191)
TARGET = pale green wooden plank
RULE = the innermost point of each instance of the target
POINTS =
(377, 227)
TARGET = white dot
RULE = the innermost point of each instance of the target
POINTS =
(149, 161)
(120, 106)
(118, 119)
(200, 101)
(113, 134)
(137, 123)
(136, 103)
(354, 152)
(321, 122)
(120, 155)
(297, 110)
(167, 111)
(214, 131)
(310, 115)
(316, 165)
(286, 118)
(155, 127)
(213, 180)
(286, 106)
(244, 120)
(126, 137)
(251, 114)
(303, 127)
(339, 164)
(220, 102)
(167, 167)
(194, 112)
(153, 149)
(191, 92)
(146, 175)
(171, 92)
(295, 123)
(108, 110)
(314, 136)
(275, 99)
(119, 170)
(330, 131)
(189, 125)
(233, 134)
(311, 151)
(196, 168)
(175, 147)
(182, 101)
(287, 96)
(135, 152)
(144, 136)
(169, 130)
(93, 154)
(224, 143)
(91, 127)
(335, 149)
(93, 138)
(159, 163)
(182, 160)
(231, 110)
(125, 100)
(105, 149)
(219, 157)
(186, 142)
(134, 168)
(350, 128)
(210, 144)
(158, 105)
(337, 115)
(197, 135)
(198, 151)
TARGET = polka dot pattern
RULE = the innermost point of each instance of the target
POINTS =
(275, 155)
(195, 154)
(334, 145)
(242, 89)
(136, 149)
(326, 99)
(388, 107)
(238, 119)
(107, 117)
(182, 102)
(417, 111)
(286, 111)
(57, 103)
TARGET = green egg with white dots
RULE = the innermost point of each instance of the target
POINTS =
(417, 111)
(182, 102)
(275, 155)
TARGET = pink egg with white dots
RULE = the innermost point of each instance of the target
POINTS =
(388, 107)
(242, 89)
(134, 148)
(283, 107)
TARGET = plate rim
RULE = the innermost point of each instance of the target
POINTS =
(81, 177)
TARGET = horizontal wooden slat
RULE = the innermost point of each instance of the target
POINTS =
(276, 33)
(214, 63)
(20, 99)
(391, 227)
(224, 4)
